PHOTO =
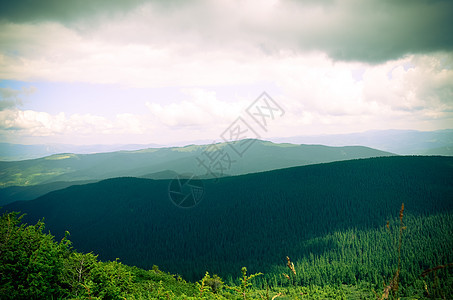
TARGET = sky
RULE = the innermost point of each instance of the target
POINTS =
(166, 72)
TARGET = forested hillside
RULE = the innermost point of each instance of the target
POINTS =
(329, 218)
(36, 266)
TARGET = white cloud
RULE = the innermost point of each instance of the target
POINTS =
(201, 108)
(27, 123)
(417, 84)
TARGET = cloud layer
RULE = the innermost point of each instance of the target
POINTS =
(351, 30)
(336, 66)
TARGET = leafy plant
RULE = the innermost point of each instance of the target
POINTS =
(244, 288)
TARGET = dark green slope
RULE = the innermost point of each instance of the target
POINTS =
(23, 193)
(261, 156)
(253, 220)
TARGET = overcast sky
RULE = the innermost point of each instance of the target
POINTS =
(115, 72)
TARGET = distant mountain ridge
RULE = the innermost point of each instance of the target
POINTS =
(402, 142)
(14, 152)
(261, 156)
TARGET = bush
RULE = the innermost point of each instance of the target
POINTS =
(31, 263)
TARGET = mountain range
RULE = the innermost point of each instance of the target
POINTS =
(28, 179)
(403, 142)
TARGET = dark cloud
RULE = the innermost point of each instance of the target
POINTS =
(23, 11)
(386, 30)
(371, 31)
